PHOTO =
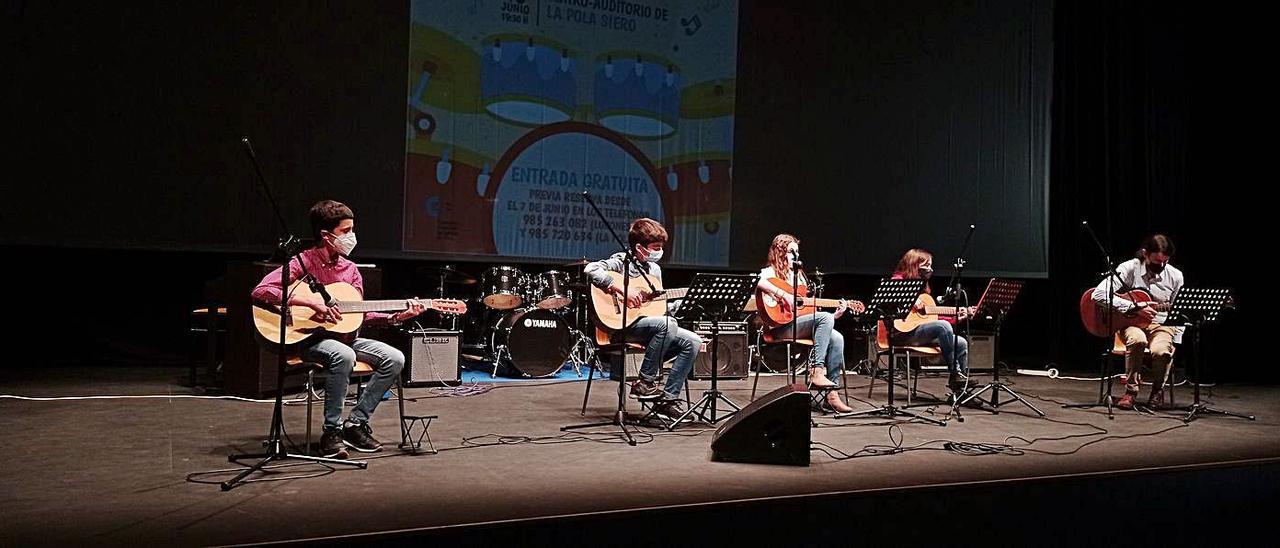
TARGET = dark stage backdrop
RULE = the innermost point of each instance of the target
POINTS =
(865, 127)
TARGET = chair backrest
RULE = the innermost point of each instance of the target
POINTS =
(882, 342)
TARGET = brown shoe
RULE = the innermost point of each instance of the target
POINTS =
(1156, 401)
(818, 378)
(1126, 401)
(833, 401)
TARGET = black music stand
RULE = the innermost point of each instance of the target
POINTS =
(997, 300)
(1200, 307)
(892, 300)
(713, 297)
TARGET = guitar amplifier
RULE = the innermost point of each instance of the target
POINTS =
(731, 351)
(432, 359)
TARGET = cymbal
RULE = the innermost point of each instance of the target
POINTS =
(451, 275)
(579, 262)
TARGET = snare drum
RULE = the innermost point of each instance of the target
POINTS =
(550, 290)
(502, 287)
(532, 341)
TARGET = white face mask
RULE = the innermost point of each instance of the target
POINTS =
(654, 256)
(345, 243)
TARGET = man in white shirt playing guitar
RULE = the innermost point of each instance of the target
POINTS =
(1149, 271)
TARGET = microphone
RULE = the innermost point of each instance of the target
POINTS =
(795, 258)
(248, 147)
(318, 288)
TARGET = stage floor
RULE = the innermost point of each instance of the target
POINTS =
(115, 471)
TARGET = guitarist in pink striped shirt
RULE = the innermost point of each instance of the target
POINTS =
(333, 226)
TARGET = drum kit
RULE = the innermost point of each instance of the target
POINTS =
(530, 324)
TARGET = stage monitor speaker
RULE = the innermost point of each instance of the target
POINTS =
(774, 429)
(432, 358)
(731, 353)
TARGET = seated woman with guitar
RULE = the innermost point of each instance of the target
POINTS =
(923, 326)
(333, 225)
(774, 300)
(1144, 288)
(650, 325)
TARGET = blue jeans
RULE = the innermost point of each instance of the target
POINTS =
(664, 339)
(943, 334)
(828, 344)
(338, 360)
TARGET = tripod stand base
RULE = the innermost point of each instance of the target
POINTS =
(888, 411)
(1196, 409)
(705, 405)
(995, 403)
(268, 458)
(619, 420)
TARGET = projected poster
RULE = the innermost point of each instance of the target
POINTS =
(517, 107)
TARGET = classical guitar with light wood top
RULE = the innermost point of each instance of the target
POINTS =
(302, 322)
(925, 311)
(606, 308)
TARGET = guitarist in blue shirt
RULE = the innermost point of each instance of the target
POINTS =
(660, 334)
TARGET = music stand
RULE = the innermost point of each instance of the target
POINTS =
(713, 297)
(892, 300)
(997, 300)
(1200, 307)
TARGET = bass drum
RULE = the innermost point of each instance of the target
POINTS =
(532, 342)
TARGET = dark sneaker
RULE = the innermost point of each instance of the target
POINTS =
(670, 410)
(331, 445)
(957, 383)
(1156, 401)
(645, 391)
(1126, 401)
(360, 438)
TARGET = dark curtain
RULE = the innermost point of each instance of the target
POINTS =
(1144, 119)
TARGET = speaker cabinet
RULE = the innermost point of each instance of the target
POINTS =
(731, 353)
(774, 429)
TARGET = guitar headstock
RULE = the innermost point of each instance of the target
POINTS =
(857, 307)
(447, 306)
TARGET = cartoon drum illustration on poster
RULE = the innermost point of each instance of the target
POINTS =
(697, 179)
(637, 95)
(528, 81)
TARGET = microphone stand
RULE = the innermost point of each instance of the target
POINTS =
(796, 265)
(628, 262)
(275, 451)
(958, 294)
(1105, 382)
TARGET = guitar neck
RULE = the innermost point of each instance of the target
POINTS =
(942, 310)
(674, 293)
(822, 303)
(376, 306)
